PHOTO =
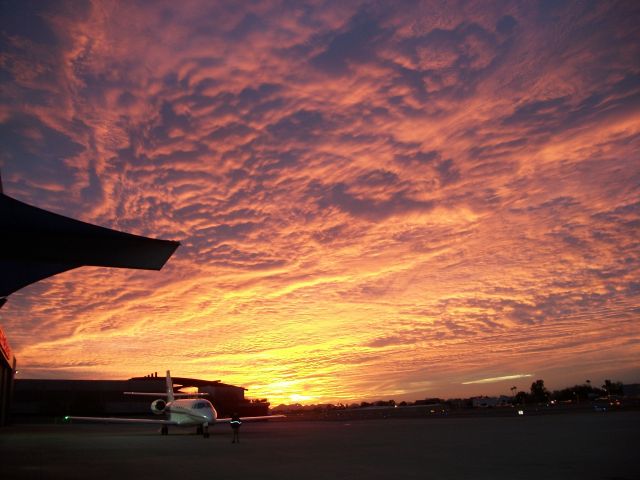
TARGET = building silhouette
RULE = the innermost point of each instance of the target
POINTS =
(48, 400)
(36, 244)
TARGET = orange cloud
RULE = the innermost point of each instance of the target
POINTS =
(372, 201)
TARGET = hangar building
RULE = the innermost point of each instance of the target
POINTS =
(48, 400)
(36, 244)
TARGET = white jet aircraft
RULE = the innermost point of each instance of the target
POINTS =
(188, 412)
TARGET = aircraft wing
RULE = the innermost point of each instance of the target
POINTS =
(120, 420)
(250, 419)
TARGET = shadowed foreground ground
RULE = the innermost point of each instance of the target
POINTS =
(581, 446)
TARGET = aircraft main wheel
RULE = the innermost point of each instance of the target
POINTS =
(164, 430)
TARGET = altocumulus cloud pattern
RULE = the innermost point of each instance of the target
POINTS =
(375, 199)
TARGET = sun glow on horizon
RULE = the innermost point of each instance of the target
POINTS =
(296, 398)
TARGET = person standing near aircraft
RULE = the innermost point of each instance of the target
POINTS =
(235, 426)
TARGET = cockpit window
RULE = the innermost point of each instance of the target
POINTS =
(200, 405)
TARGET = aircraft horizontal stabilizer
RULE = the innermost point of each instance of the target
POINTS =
(164, 394)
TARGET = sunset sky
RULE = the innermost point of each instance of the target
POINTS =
(375, 200)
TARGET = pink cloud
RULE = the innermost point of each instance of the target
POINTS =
(453, 187)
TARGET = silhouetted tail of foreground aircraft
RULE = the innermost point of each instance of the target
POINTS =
(188, 412)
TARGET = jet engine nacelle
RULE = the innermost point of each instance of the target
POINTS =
(158, 406)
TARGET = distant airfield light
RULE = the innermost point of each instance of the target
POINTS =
(520, 412)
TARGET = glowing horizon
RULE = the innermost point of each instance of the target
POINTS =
(374, 202)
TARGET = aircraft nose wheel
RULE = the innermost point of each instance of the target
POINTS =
(205, 431)
(164, 430)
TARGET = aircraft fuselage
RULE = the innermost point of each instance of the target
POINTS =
(189, 412)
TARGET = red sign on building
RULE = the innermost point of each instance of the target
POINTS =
(5, 348)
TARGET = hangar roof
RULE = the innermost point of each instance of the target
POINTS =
(36, 244)
(190, 382)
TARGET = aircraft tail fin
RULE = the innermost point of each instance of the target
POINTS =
(164, 394)
(170, 395)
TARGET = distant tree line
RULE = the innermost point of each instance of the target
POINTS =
(538, 393)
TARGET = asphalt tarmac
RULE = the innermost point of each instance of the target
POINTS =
(572, 446)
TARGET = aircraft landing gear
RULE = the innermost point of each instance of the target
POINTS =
(199, 430)
(205, 430)
(164, 430)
